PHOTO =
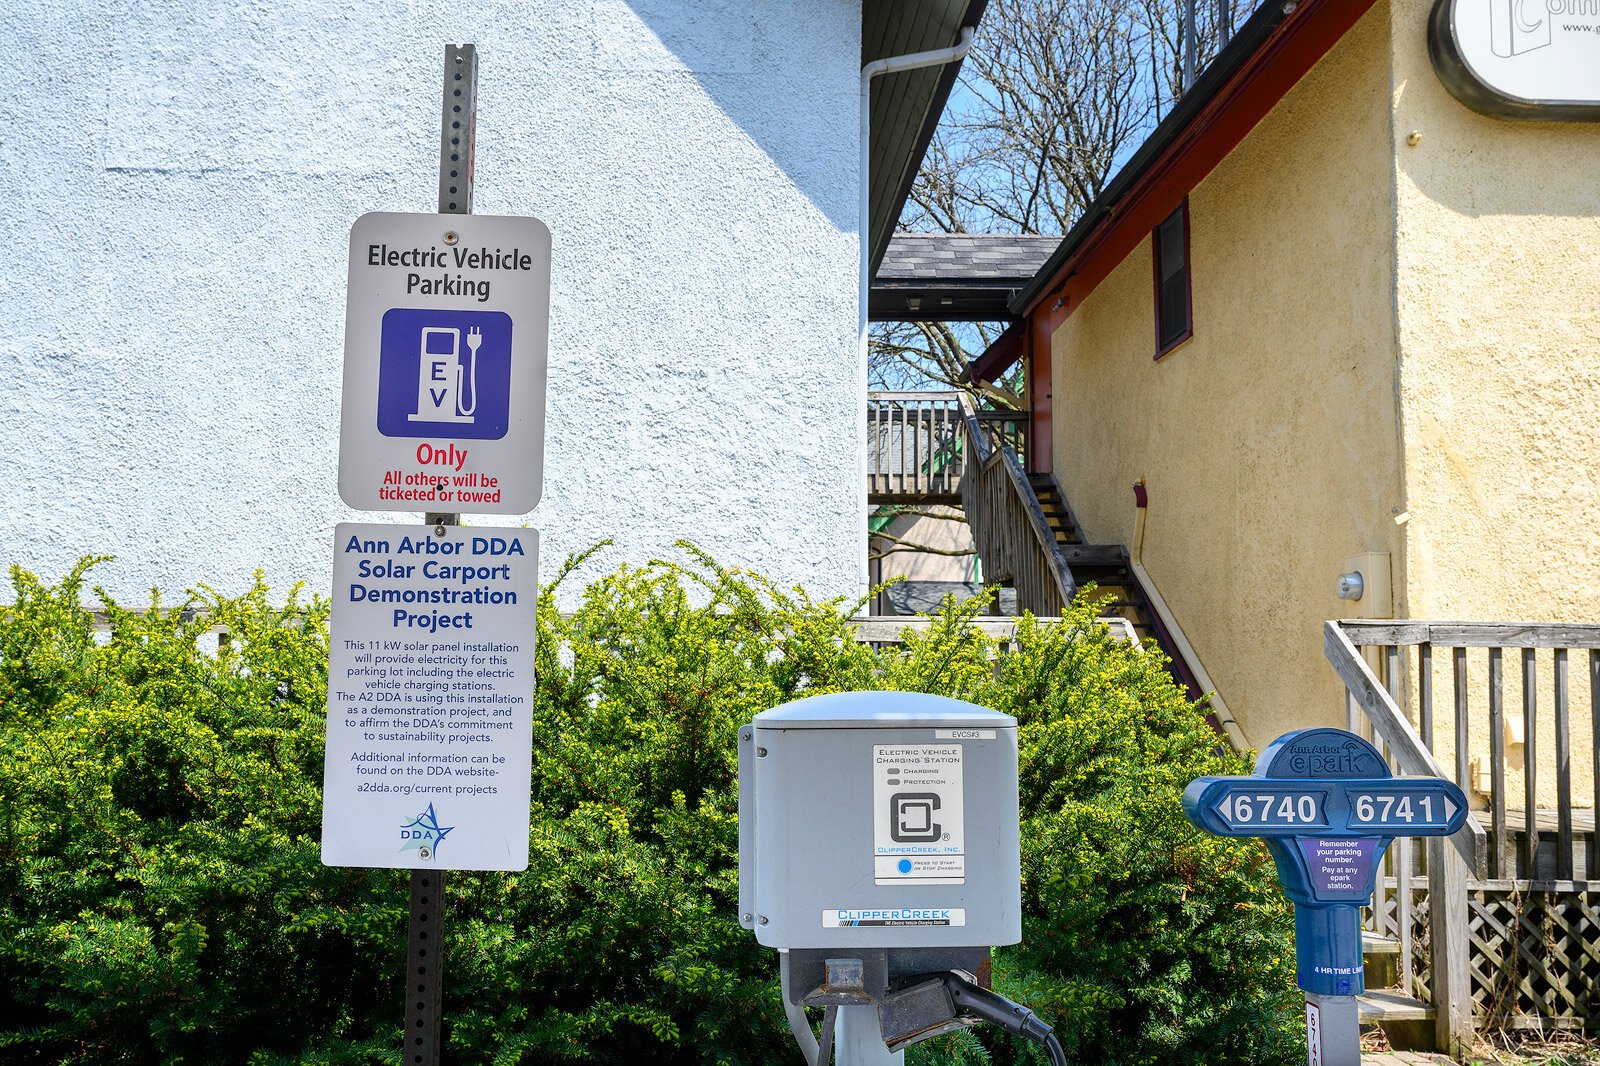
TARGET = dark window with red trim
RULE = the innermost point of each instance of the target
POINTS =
(1174, 313)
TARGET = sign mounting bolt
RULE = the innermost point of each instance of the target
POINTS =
(451, 236)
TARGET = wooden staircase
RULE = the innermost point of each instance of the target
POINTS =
(1406, 1020)
(1118, 591)
(1029, 539)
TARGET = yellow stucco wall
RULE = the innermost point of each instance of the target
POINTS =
(1270, 439)
(1498, 317)
(1387, 326)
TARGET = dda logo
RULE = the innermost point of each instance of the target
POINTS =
(444, 373)
(423, 834)
(911, 817)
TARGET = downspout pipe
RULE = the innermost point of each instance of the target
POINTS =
(887, 65)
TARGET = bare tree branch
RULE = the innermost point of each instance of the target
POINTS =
(1055, 95)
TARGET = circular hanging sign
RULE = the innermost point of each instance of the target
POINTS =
(1519, 58)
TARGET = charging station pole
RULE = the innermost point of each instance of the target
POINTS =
(424, 975)
(858, 1039)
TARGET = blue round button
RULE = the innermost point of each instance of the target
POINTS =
(905, 866)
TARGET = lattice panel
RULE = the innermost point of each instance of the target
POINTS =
(1535, 957)
(1422, 980)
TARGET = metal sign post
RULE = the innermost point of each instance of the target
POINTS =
(1328, 807)
(430, 687)
(424, 985)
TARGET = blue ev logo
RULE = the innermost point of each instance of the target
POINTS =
(444, 373)
(423, 834)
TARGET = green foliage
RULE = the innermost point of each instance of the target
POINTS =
(162, 899)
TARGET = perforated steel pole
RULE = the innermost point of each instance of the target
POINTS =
(424, 974)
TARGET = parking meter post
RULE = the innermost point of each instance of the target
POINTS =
(1328, 951)
(1333, 1030)
(1327, 806)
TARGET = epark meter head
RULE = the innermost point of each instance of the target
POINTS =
(878, 852)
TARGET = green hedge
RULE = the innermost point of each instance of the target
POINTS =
(161, 898)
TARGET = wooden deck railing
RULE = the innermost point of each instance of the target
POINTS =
(1003, 429)
(1000, 504)
(877, 630)
(914, 447)
(1508, 924)
(882, 630)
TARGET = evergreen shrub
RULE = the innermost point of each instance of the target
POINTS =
(161, 897)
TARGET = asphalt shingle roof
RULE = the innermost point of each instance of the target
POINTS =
(955, 276)
(964, 257)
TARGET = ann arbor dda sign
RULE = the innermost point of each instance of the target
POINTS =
(1520, 58)
(445, 363)
(430, 697)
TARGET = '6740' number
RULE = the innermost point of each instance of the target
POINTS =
(1271, 809)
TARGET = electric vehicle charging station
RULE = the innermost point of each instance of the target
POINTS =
(1328, 806)
(878, 853)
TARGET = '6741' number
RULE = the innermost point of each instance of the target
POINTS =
(1393, 808)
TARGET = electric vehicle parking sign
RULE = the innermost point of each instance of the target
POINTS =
(446, 330)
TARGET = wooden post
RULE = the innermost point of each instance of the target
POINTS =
(424, 973)
(1448, 943)
(1565, 859)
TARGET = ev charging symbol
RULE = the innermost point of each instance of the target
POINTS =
(444, 373)
(911, 817)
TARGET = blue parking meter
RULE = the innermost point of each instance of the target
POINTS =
(1328, 807)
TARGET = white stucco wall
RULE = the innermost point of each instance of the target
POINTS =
(177, 184)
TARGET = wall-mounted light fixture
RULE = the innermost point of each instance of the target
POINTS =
(1364, 580)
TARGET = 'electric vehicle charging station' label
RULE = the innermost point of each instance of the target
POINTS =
(918, 833)
(445, 352)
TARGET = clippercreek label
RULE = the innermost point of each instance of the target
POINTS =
(847, 917)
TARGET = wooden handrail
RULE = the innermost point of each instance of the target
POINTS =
(993, 458)
(873, 629)
(1364, 632)
(1391, 724)
(890, 629)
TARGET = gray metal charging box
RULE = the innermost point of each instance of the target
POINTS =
(879, 819)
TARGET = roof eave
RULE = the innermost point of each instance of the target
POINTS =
(880, 232)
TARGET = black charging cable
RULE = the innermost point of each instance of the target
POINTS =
(983, 1004)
